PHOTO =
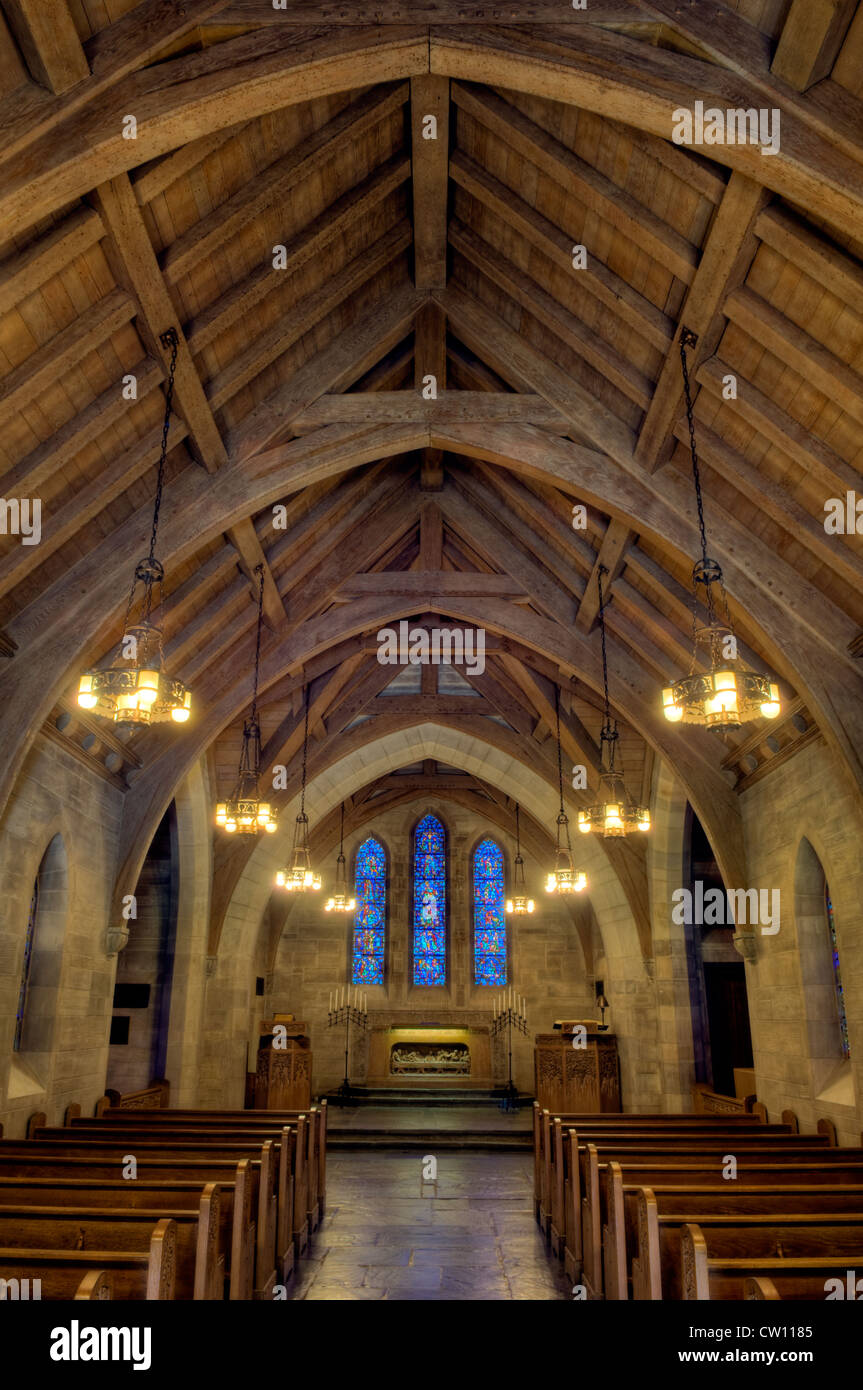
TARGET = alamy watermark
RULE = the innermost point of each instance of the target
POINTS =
(719, 907)
(435, 646)
(21, 516)
(729, 126)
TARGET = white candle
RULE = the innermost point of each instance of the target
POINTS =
(331, 1002)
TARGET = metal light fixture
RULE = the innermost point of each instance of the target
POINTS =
(615, 813)
(519, 904)
(564, 878)
(245, 813)
(603, 1005)
(136, 689)
(300, 877)
(340, 902)
(729, 693)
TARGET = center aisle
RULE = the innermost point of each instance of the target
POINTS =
(388, 1234)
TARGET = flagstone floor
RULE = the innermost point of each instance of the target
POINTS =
(388, 1234)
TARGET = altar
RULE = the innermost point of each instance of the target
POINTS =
(430, 1055)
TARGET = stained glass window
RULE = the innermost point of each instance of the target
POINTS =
(837, 978)
(429, 902)
(489, 923)
(25, 970)
(370, 922)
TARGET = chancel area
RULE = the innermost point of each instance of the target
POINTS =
(431, 651)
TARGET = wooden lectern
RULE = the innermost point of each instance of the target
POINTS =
(581, 1079)
(283, 1080)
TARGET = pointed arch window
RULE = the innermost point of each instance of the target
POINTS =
(837, 975)
(25, 969)
(370, 922)
(489, 922)
(429, 903)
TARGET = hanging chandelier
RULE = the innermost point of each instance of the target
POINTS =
(615, 813)
(729, 693)
(340, 902)
(519, 904)
(136, 688)
(245, 813)
(564, 878)
(299, 877)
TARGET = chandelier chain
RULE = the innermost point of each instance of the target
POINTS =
(559, 750)
(305, 753)
(259, 571)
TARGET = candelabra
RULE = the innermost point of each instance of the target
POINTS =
(509, 1012)
(347, 1006)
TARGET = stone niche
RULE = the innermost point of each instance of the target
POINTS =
(430, 1055)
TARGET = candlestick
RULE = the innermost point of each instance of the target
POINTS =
(330, 1009)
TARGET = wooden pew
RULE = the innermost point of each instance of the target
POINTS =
(620, 1181)
(760, 1223)
(586, 1199)
(147, 1274)
(310, 1142)
(253, 1166)
(158, 1093)
(554, 1163)
(704, 1276)
(198, 1253)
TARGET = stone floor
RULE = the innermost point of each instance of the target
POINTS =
(388, 1234)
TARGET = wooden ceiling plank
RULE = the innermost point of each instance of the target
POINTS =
(430, 101)
(308, 312)
(819, 258)
(46, 365)
(759, 411)
(30, 473)
(610, 556)
(276, 182)
(811, 39)
(603, 284)
(548, 311)
(155, 177)
(431, 536)
(427, 586)
(780, 505)
(133, 254)
(792, 345)
(22, 274)
(612, 203)
(430, 361)
(48, 39)
(529, 12)
(309, 243)
(497, 695)
(727, 253)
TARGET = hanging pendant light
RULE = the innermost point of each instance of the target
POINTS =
(340, 902)
(299, 877)
(729, 693)
(519, 904)
(615, 813)
(136, 688)
(245, 813)
(564, 878)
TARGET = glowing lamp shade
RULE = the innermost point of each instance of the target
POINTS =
(673, 711)
(770, 708)
(221, 814)
(181, 712)
(584, 822)
(86, 698)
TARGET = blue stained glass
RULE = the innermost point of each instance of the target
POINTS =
(837, 979)
(489, 922)
(370, 922)
(429, 913)
(25, 969)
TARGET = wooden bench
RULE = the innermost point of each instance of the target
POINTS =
(198, 1251)
(719, 1277)
(67, 1274)
(761, 1224)
(254, 1226)
(586, 1199)
(619, 1182)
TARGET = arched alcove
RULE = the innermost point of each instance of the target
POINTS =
(832, 1076)
(42, 965)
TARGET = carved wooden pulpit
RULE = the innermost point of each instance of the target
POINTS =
(577, 1079)
(283, 1080)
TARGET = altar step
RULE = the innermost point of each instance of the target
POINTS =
(423, 1096)
(428, 1141)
